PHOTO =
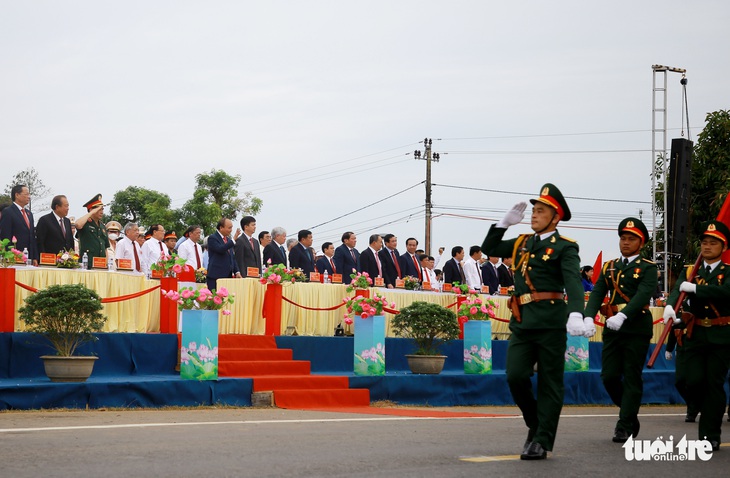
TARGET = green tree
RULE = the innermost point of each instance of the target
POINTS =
(216, 196)
(145, 207)
(38, 190)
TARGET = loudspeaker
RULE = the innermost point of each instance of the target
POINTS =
(679, 187)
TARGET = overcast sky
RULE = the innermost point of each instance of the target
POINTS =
(319, 105)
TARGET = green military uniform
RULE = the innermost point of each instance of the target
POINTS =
(543, 269)
(707, 342)
(631, 285)
(93, 238)
(675, 342)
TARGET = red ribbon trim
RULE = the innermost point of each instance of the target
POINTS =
(103, 301)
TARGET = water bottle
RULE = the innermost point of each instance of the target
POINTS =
(110, 264)
(326, 277)
(85, 261)
(28, 260)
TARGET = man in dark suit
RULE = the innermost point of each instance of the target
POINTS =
(369, 260)
(504, 271)
(409, 263)
(300, 257)
(18, 222)
(347, 257)
(453, 272)
(326, 263)
(389, 259)
(274, 252)
(53, 231)
(221, 260)
(248, 252)
(490, 275)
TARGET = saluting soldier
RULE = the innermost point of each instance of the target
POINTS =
(631, 282)
(706, 313)
(90, 231)
(545, 264)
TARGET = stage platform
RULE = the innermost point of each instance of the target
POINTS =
(137, 370)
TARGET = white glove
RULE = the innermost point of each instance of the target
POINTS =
(575, 324)
(590, 327)
(688, 287)
(668, 355)
(669, 313)
(513, 216)
(615, 322)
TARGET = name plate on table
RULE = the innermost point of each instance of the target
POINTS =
(400, 284)
(448, 287)
(99, 263)
(252, 271)
(425, 285)
(124, 264)
(48, 259)
(379, 282)
(156, 274)
(314, 277)
(503, 291)
(337, 278)
(485, 289)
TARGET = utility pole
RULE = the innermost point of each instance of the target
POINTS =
(427, 156)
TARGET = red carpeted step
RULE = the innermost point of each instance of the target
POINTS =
(246, 341)
(242, 354)
(253, 368)
(299, 382)
(308, 399)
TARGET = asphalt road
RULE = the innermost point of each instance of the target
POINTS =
(290, 443)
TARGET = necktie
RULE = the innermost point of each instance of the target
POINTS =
(626, 262)
(709, 270)
(25, 216)
(136, 256)
(63, 228)
(479, 272)
(352, 253)
(334, 271)
(161, 249)
(380, 269)
(395, 262)
(283, 252)
(197, 256)
(418, 268)
(250, 239)
(461, 272)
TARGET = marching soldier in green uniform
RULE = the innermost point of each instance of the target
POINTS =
(90, 231)
(631, 281)
(545, 265)
(706, 313)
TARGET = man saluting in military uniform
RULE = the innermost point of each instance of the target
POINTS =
(545, 264)
(90, 231)
(631, 282)
(706, 312)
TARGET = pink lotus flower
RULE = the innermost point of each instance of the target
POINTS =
(473, 311)
(348, 321)
(223, 292)
(177, 269)
(217, 300)
(226, 312)
(14, 240)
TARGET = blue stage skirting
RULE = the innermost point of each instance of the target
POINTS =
(137, 370)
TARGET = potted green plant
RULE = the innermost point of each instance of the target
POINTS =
(429, 325)
(66, 315)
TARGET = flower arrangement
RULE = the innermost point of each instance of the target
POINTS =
(298, 275)
(365, 306)
(198, 362)
(10, 255)
(411, 283)
(67, 259)
(201, 275)
(188, 298)
(359, 281)
(276, 274)
(169, 264)
(475, 308)
(462, 289)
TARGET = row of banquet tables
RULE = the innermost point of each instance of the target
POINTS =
(142, 314)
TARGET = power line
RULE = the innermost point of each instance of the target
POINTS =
(525, 194)
(607, 151)
(552, 135)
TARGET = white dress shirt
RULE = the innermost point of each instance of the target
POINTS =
(186, 250)
(473, 273)
(151, 253)
(125, 250)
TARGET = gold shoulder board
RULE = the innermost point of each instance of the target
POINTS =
(567, 239)
(647, 260)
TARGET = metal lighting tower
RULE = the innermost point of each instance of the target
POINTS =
(660, 161)
(427, 156)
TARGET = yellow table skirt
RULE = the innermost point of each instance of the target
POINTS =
(142, 314)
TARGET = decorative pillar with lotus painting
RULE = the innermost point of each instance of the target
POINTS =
(369, 351)
(199, 348)
(478, 347)
(576, 354)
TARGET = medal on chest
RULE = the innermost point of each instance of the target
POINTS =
(548, 251)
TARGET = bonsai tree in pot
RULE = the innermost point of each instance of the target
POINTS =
(66, 315)
(429, 325)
